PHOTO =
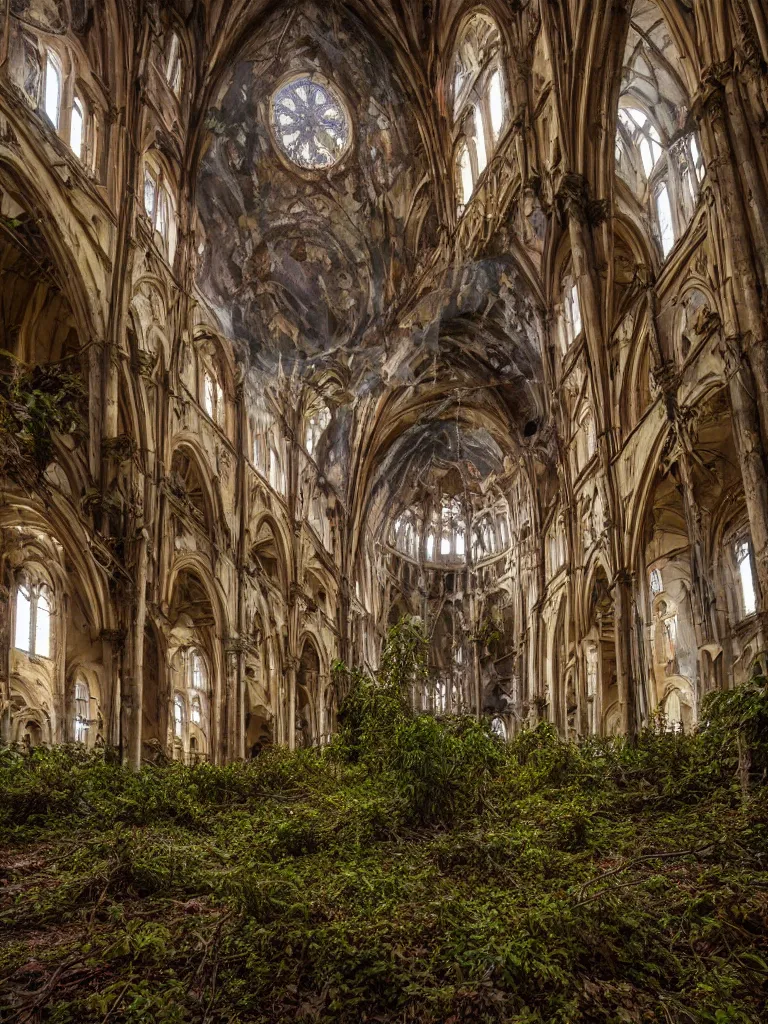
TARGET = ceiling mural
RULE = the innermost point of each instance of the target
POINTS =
(303, 209)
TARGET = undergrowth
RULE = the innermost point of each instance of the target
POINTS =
(415, 871)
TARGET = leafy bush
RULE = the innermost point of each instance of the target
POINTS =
(35, 402)
(417, 871)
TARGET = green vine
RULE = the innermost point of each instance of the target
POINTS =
(488, 634)
(35, 403)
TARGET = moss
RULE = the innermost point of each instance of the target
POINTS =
(439, 876)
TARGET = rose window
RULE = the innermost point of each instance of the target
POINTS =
(310, 123)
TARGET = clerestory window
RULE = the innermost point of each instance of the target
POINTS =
(33, 620)
(82, 711)
(746, 579)
(52, 89)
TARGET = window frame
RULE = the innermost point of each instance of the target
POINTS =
(748, 558)
(33, 593)
(52, 60)
(173, 65)
(81, 722)
(179, 705)
(162, 217)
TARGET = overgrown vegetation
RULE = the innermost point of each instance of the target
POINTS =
(416, 871)
(35, 402)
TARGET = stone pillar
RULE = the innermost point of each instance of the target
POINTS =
(6, 596)
(133, 680)
(623, 624)
(292, 665)
(112, 641)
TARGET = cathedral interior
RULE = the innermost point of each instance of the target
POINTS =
(316, 315)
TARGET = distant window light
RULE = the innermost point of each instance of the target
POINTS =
(32, 632)
(178, 716)
(496, 103)
(698, 162)
(197, 673)
(673, 712)
(744, 563)
(499, 728)
(666, 228)
(460, 542)
(430, 546)
(656, 583)
(158, 206)
(575, 311)
(316, 427)
(22, 640)
(173, 67)
(213, 396)
(465, 171)
(43, 627)
(195, 711)
(482, 157)
(150, 193)
(82, 712)
(445, 544)
(77, 129)
(52, 94)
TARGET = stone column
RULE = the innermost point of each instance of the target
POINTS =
(623, 624)
(133, 679)
(291, 666)
(6, 595)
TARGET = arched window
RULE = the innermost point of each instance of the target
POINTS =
(479, 101)
(178, 716)
(743, 555)
(52, 89)
(317, 423)
(77, 128)
(643, 134)
(657, 149)
(655, 582)
(195, 711)
(664, 220)
(159, 207)
(276, 473)
(197, 673)
(571, 312)
(82, 711)
(174, 67)
(213, 394)
(466, 177)
(673, 712)
(499, 728)
(33, 620)
(496, 103)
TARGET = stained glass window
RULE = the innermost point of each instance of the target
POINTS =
(310, 123)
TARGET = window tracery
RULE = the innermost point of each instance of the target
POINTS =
(82, 711)
(178, 716)
(33, 620)
(310, 122)
(479, 102)
(52, 88)
(159, 207)
(317, 423)
(657, 149)
(174, 66)
(743, 556)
